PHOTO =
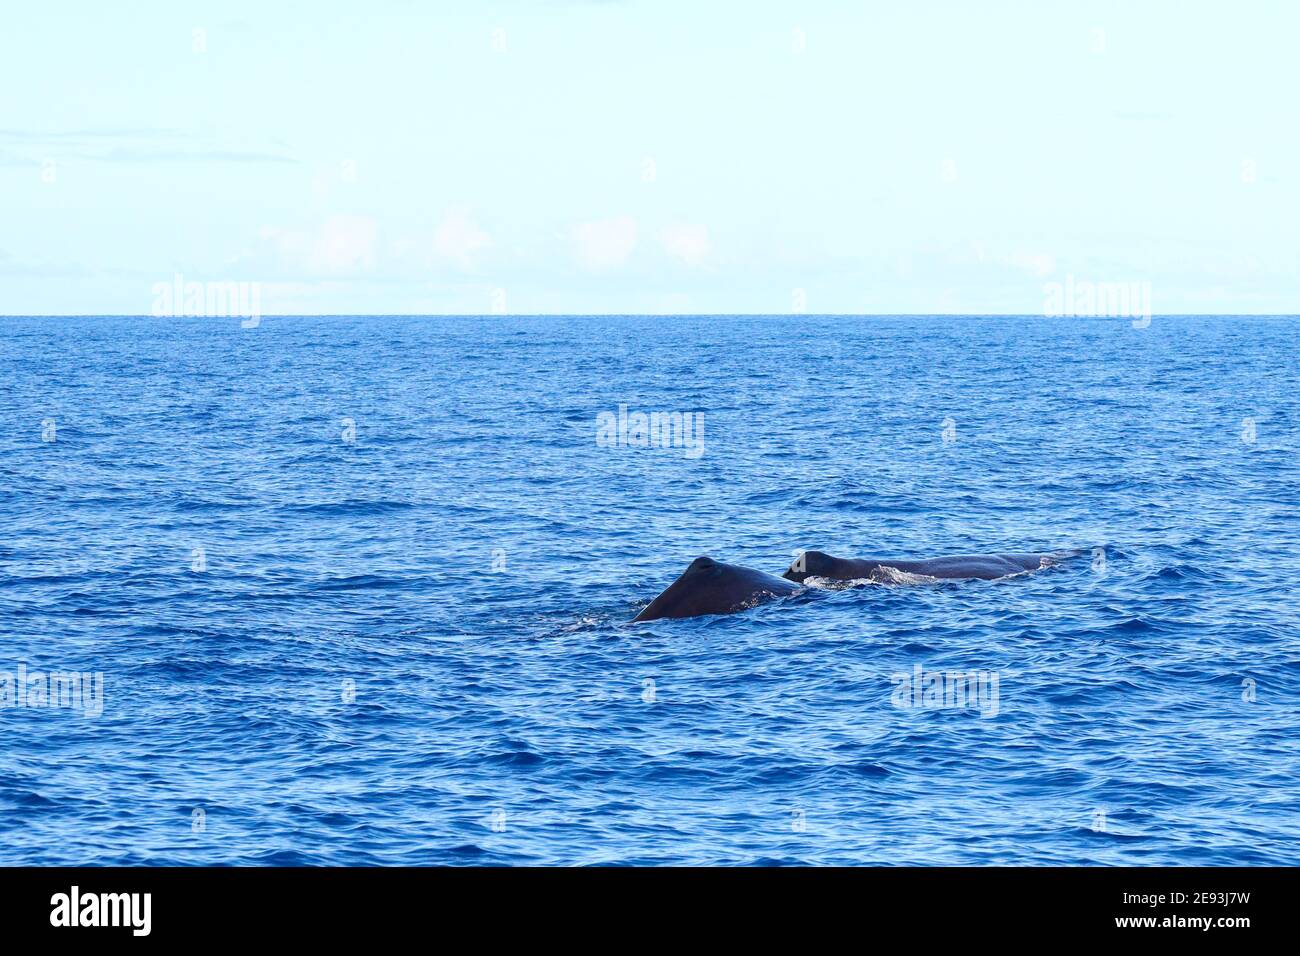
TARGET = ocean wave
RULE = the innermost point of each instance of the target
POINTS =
(414, 649)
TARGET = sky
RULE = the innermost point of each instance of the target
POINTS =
(649, 156)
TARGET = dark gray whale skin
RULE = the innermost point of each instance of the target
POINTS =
(711, 587)
(986, 566)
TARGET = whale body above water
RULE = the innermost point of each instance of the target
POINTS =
(988, 567)
(711, 587)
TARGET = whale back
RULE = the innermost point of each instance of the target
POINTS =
(819, 564)
(988, 566)
(711, 587)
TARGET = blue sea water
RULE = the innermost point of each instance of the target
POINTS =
(412, 647)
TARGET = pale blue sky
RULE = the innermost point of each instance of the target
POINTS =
(643, 156)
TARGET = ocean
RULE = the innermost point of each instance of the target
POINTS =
(356, 590)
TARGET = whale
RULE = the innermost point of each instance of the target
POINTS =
(988, 567)
(711, 587)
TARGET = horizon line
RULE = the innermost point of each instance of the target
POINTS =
(644, 315)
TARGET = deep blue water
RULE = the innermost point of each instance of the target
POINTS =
(470, 562)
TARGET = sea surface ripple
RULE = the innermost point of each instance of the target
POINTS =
(412, 647)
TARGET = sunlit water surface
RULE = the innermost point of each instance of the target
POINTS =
(412, 647)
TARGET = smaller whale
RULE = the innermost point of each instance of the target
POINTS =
(711, 587)
(819, 564)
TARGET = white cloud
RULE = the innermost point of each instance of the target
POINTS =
(605, 243)
(1035, 263)
(459, 239)
(342, 244)
(345, 243)
(689, 243)
(322, 184)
